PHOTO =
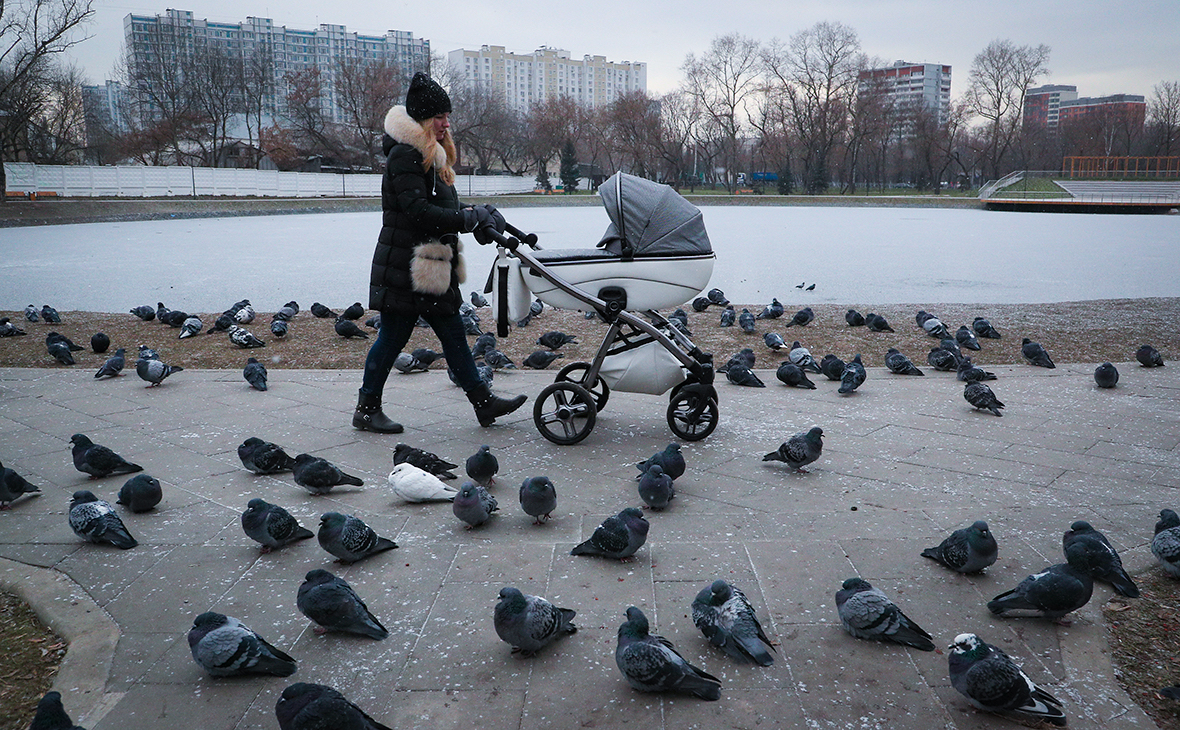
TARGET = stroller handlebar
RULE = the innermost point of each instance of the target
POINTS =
(518, 237)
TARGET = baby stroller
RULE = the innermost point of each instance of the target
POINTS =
(655, 254)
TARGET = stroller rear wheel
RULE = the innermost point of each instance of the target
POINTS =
(575, 372)
(565, 413)
(692, 416)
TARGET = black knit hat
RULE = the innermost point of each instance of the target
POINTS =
(426, 98)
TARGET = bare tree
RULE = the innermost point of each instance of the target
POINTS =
(547, 125)
(307, 122)
(635, 128)
(214, 76)
(481, 123)
(57, 133)
(1163, 113)
(1000, 75)
(165, 104)
(364, 92)
(257, 85)
(678, 115)
(722, 82)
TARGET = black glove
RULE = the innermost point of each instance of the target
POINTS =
(474, 218)
(497, 218)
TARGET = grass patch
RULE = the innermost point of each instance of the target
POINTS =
(32, 654)
(1144, 644)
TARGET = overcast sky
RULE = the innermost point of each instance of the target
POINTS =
(1101, 46)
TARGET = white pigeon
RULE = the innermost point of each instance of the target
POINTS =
(418, 485)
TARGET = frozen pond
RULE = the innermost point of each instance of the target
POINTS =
(853, 255)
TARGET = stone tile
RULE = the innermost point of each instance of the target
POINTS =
(105, 574)
(216, 707)
(449, 709)
(502, 564)
(799, 579)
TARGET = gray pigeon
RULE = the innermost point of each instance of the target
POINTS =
(932, 325)
(744, 357)
(799, 450)
(877, 323)
(555, 339)
(483, 343)
(145, 312)
(617, 537)
(530, 623)
(717, 297)
(900, 364)
(318, 476)
(279, 328)
(285, 313)
(99, 342)
(224, 323)
(243, 338)
(650, 663)
(742, 375)
(114, 365)
(540, 359)
(140, 493)
(671, 459)
(853, 377)
(498, 360)
(941, 359)
(471, 324)
(991, 681)
(225, 647)
(190, 327)
(726, 618)
(244, 315)
(305, 706)
(12, 486)
(801, 356)
(728, 316)
(478, 300)
(774, 340)
(424, 460)
(32, 314)
(655, 487)
(271, 526)
(790, 374)
(951, 345)
(774, 310)
(1053, 592)
(95, 520)
(983, 328)
(982, 397)
(968, 372)
(1149, 357)
(263, 457)
(255, 374)
(854, 318)
(538, 498)
(173, 318)
(966, 338)
(98, 461)
(153, 372)
(321, 312)
(60, 351)
(58, 337)
(746, 322)
(406, 363)
(832, 367)
(334, 606)
(348, 329)
(1105, 563)
(966, 550)
(374, 321)
(473, 505)
(1106, 375)
(700, 304)
(868, 614)
(1165, 546)
(7, 329)
(50, 315)
(349, 538)
(52, 715)
(482, 466)
(802, 318)
(1035, 354)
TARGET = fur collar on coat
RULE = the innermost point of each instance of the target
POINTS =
(441, 156)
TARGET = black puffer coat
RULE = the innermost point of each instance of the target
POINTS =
(420, 212)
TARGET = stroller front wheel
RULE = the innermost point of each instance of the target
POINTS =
(575, 372)
(692, 416)
(565, 413)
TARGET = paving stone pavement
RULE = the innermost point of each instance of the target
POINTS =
(906, 461)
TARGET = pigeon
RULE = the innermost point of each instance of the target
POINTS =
(98, 461)
(540, 359)
(700, 304)
(617, 537)
(32, 314)
(679, 319)
(941, 359)
(348, 329)
(991, 681)
(114, 365)
(99, 343)
(486, 373)
(950, 345)
(279, 328)
(334, 606)
(802, 318)
(471, 324)
(425, 356)
(922, 316)
(255, 374)
(1165, 546)
(412, 484)
(483, 343)
(243, 338)
(726, 618)
(12, 486)
(191, 327)
(877, 323)
(225, 647)
(1035, 354)
(374, 321)
(50, 315)
(900, 364)
(349, 538)
(478, 300)
(742, 375)
(793, 375)
(745, 358)
(655, 487)
(853, 376)
(671, 459)
(538, 498)
(263, 457)
(801, 284)
(145, 312)
(432, 463)
(799, 450)
(810, 288)
(284, 314)
(153, 372)
(322, 312)
(982, 397)
(717, 297)
(272, 526)
(1053, 592)
(966, 338)
(473, 505)
(774, 310)
(1169, 693)
(7, 329)
(966, 550)
(1106, 375)
(353, 311)
(868, 614)
(57, 337)
(52, 715)
(60, 351)
(932, 325)
(1149, 357)
(650, 663)
(555, 339)
(746, 322)
(984, 329)
(832, 367)
(482, 466)
(305, 706)
(774, 340)
(245, 315)
(95, 520)
(854, 318)
(406, 364)
(498, 360)
(728, 316)
(224, 323)
(967, 372)
(530, 623)
(140, 493)
(318, 476)
(801, 356)
(536, 307)
(1105, 563)
(174, 318)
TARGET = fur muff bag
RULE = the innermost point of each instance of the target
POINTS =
(430, 269)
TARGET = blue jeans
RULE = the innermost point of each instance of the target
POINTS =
(396, 328)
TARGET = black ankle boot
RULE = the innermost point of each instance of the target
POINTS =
(488, 407)
(369, 416)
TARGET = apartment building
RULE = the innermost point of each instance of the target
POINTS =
(909, 87)
(1131, 108)
(1042, 105)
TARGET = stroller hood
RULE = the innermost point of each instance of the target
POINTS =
(650, 219)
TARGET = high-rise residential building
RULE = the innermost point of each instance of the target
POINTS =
(548, 73)
(1130, 108)
(289, 49)
(909, 87)
(1042, 105)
